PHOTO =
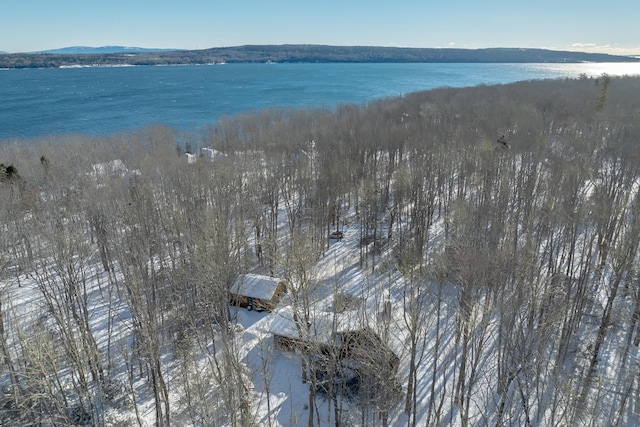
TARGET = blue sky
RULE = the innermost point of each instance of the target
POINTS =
(588, 25)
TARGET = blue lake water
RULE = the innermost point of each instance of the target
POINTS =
(99, 101)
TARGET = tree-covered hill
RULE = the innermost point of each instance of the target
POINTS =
(305, 53)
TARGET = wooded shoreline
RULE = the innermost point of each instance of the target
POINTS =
(308, 54)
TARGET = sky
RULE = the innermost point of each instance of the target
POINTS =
(587, 25)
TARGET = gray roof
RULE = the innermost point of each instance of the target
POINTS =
(255, 286)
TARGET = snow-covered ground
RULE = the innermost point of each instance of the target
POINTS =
(276, 380)
(338, 271)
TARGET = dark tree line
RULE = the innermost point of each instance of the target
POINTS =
(304, 54)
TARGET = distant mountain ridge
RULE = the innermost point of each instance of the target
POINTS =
(85, 50)
(299, 54)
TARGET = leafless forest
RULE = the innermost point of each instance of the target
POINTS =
(511, 213)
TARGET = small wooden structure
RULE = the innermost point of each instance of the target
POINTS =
(341, 336)
(253, 291)
(211, 154)
(287, 336)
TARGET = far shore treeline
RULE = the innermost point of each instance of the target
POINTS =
(305, 53)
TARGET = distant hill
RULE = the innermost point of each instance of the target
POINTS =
(82, 50)
(300, 53)
(324, 53)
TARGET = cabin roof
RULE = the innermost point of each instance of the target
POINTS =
(321, 329)
(255, 286)
(111, 168)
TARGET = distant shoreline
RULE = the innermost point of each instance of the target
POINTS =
(304, 54)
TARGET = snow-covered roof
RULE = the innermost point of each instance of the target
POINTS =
(211, 153)
(255, 286)
(191, 158)
(112, 168)
(322, 326)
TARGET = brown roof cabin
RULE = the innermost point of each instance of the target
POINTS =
(253, 291)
